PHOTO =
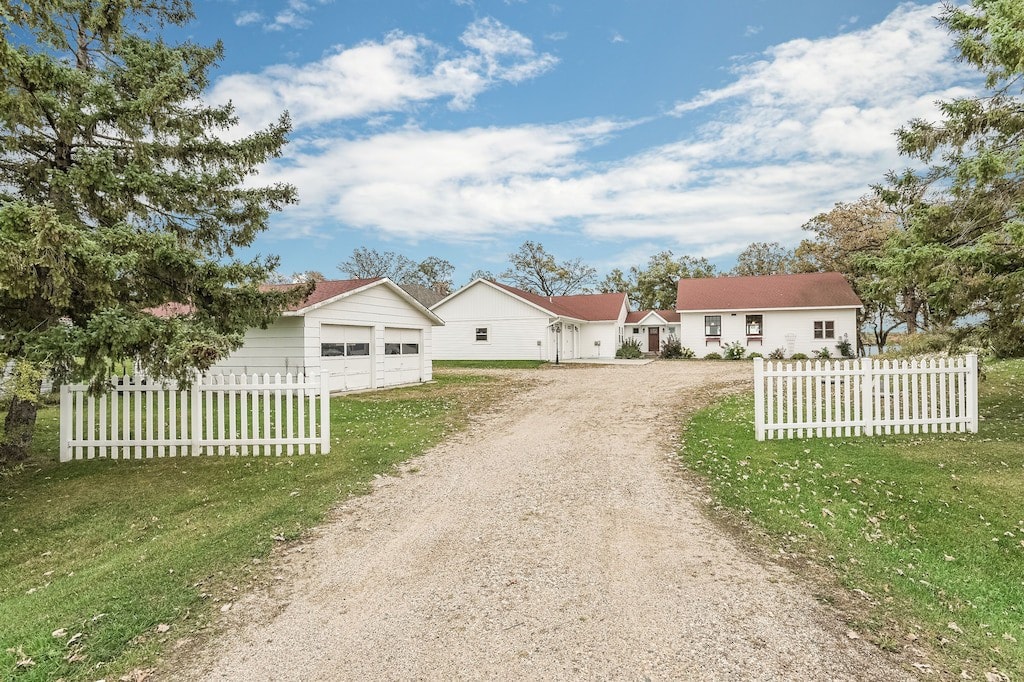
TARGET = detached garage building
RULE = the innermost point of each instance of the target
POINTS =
(367, 333)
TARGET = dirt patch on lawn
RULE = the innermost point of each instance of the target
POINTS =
(552, 539)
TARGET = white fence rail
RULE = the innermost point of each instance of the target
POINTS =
(806, 399)
(218, 415)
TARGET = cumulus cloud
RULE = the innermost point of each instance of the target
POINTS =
(246, 18)
(393, 74)
(808, 123)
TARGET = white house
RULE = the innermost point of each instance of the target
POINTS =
(798, 313)
(651, 328)
(486, 320)
(367, 333)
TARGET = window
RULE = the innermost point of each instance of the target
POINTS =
(636, 330)
(410, 349)
(357, 349)
(824, 329)
(481, 333)
(754, 325)
(332, 350)
(712, 325)
(392, 349)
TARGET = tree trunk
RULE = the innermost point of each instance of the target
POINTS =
(19, 426)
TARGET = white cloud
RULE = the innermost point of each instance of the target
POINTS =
(752, 31)
(557, 35)
(384, 76)
(246, 18)
(617, 37)
(807, 124)
(293, 16)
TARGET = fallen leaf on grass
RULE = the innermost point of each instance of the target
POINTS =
(59, 632)
(163, 627)
(953, 626)
(1009, 638)
(852, 635)
(74, 638)
(225, 608)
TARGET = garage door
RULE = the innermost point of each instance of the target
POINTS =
(346, 352)
(402, 356)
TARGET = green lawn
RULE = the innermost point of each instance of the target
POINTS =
(490, 364)
(930, 528)
(107, 553)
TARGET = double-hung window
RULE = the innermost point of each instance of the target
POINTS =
(481, 333)
(712, 325)
(824, 329)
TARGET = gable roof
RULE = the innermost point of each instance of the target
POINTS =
(582, 307)
(425, 295)
(637, 317)
(324, 292)
(767, 292)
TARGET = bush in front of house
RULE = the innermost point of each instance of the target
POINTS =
(629, 350)
(823, 354)
(777, 354)
(673, 349)
(754, 355)
(845, 349)
(799, 356)
(713, 356)
(734, 351)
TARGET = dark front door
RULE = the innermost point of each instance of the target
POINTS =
(653, 339)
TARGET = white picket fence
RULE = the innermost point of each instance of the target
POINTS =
(218, 415)
(806, 399)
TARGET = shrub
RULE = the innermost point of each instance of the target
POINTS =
(845, 348)
(754, 355)
(823, 354)
(734, 351)
(671, 348)
(777, 354)
(629, 350)
(713, 356)
(799, 356)
(687, 353)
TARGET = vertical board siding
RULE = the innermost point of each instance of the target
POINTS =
(218, 415)
(866, 397)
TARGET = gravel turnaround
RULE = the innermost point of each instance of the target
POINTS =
(554, 539)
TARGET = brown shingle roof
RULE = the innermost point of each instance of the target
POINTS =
(805, 290)
(667, 315)
(589, 307)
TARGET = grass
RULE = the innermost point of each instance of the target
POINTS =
(107, 563)
(490, 364)
(927, 530)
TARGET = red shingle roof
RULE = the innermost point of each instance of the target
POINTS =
(589, 307)
(323, 291)
(638, 316)
(806, 290)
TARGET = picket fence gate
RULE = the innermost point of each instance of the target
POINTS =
(806, 399)
(218, 415)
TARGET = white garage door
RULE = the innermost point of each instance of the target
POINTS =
(346, 352)
(403, 350)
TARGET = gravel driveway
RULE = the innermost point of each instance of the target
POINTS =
(555, 539)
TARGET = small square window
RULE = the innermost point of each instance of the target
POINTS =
(481, 333)
(754, 325)
(824, 329)
(636, 330)
(712, 325)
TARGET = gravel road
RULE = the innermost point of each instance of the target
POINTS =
(554, 539)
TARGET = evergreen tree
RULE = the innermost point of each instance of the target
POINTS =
(965, 229)
(119, 191)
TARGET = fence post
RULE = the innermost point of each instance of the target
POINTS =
(65, 423)
(972, 392)
(759, 398)
(325, 413)
(196, 414)
(867, 395)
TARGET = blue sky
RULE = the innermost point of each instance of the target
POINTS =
(605, 129)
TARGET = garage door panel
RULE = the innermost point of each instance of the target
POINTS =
(402, 361)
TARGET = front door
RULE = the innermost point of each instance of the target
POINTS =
(653, 339)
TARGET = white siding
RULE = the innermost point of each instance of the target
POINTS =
(791, 330)
(643, 334)
(513, 328)
(375, 309)
(278, 348)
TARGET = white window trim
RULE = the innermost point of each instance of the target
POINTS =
(487, 333)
